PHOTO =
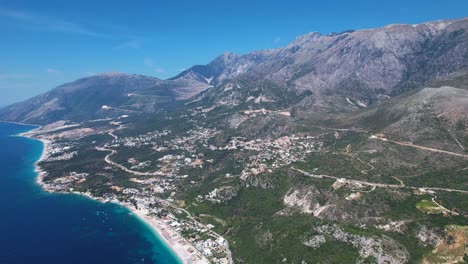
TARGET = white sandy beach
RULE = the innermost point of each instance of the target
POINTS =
(45, 153)
(179, 245)
(184, 250)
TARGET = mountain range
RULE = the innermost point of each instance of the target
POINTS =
(347, 147)
(316, 73)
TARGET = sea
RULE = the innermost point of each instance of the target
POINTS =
(41, 227)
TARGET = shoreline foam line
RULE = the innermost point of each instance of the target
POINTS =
(158, 228)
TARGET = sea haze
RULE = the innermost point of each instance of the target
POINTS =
(38, 227)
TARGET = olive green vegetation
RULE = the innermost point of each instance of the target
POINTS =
(259, 235)
(250, 220)
(254, 225)
(254, 220)
(429, 207)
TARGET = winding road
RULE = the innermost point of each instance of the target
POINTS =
(381, 185)
(166, 203)
(407, 144)
(122, 167)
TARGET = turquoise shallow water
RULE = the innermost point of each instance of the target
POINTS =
(39, 227)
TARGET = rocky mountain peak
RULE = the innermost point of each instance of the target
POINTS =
(306, 38)
(112, 74)
(225, 57)
(359, 66)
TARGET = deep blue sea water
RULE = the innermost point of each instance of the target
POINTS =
(39, 227)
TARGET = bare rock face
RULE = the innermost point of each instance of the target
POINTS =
(225, 67)
(316, 73)
(379, 59)
(429, 236)
(324, 204)
(383, 249)
(258, 182)
(306, 200)
(315, 241)
(348, 70)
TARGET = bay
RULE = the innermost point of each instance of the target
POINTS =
(40, 227)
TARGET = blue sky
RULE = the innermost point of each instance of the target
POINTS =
(46, 43)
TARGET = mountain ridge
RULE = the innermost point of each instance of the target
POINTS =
(348, 147)
(363, 66)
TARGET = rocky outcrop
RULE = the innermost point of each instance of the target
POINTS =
(306, 200)
(382, 248)
(316, 73)
(258, 181)
(325, 204)
(345, 71)
(226, 193)
(429, 236)
(315, 241)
